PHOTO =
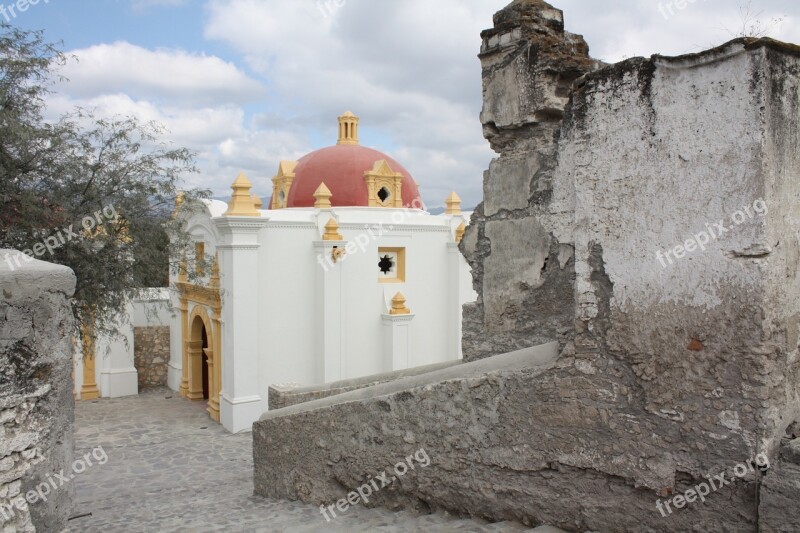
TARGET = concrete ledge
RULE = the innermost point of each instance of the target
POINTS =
(537, 356)
(281, 396)
(22, 277)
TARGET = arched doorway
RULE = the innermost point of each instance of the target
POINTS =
(201, 384)
(201, 332)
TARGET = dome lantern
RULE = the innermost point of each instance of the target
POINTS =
(348, 129)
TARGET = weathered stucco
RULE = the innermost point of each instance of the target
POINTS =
(522, 273)
(36, 404)
(671, 369)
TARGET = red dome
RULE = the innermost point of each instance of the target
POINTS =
(342, 168)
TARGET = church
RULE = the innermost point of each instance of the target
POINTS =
(343, 274)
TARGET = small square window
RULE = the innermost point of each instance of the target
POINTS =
(391, 265)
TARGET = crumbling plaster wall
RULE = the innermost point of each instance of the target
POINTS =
(667, 373)
(522, 273)
(36, 403)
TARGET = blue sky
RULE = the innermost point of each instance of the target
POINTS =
(246, 83)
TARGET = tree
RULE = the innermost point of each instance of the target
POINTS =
(94, 194)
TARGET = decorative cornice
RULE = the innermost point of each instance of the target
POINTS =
(390, 227)
(327, 245)
(397, 318)
(199, 294)
(238, 246)
(291, 225)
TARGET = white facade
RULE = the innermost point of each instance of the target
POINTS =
(353, 286)
(292, 314)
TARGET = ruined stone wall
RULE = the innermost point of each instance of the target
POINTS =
(678, 362)
(36, 402)
(780, 491)
(151, 355)
(523, 274)
(661, 151)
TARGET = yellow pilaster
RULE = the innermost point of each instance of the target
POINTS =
(184, 389)
(210, 356)
(195, 351)
(184, 308)
(89, 390)
(215, 372)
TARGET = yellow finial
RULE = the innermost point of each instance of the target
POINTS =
(399, 305)
(180, 199)
(348, 129)
(453, 203)
(460, 232)
(257, 203)
(322, 197)
(242, 203)
(332, 231)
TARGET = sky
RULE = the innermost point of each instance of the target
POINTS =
(246, 83)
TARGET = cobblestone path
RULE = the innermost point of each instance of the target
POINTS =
(170, 468)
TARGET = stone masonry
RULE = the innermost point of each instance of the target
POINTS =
(659, 247)
(36, 403)
(523, 274)
(151, 355)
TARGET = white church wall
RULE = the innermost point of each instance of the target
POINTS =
(287, 264)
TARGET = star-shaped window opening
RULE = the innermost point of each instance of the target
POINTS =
(386, 264)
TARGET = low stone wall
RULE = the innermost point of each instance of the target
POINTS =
(431, 411)
(36, 402)
(281, 396)
(151, 355)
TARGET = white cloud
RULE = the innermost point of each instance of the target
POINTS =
(409, 69)
(167, 76)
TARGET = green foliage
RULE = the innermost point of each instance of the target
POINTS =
(118, 172)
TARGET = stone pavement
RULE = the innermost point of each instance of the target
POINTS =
(170, 468)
